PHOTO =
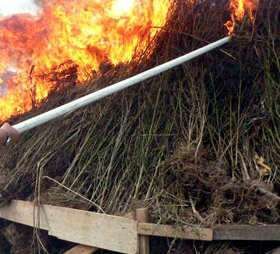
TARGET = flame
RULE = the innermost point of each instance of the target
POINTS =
(69, 40)
(239, 9)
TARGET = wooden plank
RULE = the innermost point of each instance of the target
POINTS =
(247, 232)
(76, 249)
(97, 230)
(275, 251)
(142, 215)
(184, 232)
(120, 234)
(80, 249)
(23, 213)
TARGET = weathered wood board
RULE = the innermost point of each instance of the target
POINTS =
(87, 228)
(247, 232)
(186, 232)
(80, 249)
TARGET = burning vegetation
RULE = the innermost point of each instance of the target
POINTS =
(199, 144)
(37, 52)
(71, 34)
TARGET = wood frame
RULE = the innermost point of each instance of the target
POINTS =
(128, 234)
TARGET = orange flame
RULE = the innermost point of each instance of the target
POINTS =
(74, 36)
(240, 8)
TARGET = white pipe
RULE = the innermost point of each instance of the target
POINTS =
(90, 98)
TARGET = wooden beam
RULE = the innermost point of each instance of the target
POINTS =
(275, 251)
(142, 215)
(87, 228)
(80, 249)
(247, 232)
(184, 232)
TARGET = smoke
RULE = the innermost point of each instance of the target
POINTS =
(19, 6)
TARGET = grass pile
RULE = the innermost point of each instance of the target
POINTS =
(199, 144)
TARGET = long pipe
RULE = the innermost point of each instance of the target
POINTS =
(90, 98)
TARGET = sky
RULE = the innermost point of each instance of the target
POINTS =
(17, 6)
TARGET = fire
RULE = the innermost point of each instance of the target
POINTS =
(76, 35)
(70, 39)
(240, 8)
(122, 7)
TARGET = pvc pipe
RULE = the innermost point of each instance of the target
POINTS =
(90, 98)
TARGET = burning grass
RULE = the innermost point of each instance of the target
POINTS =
(82, 33)
(187, 144)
